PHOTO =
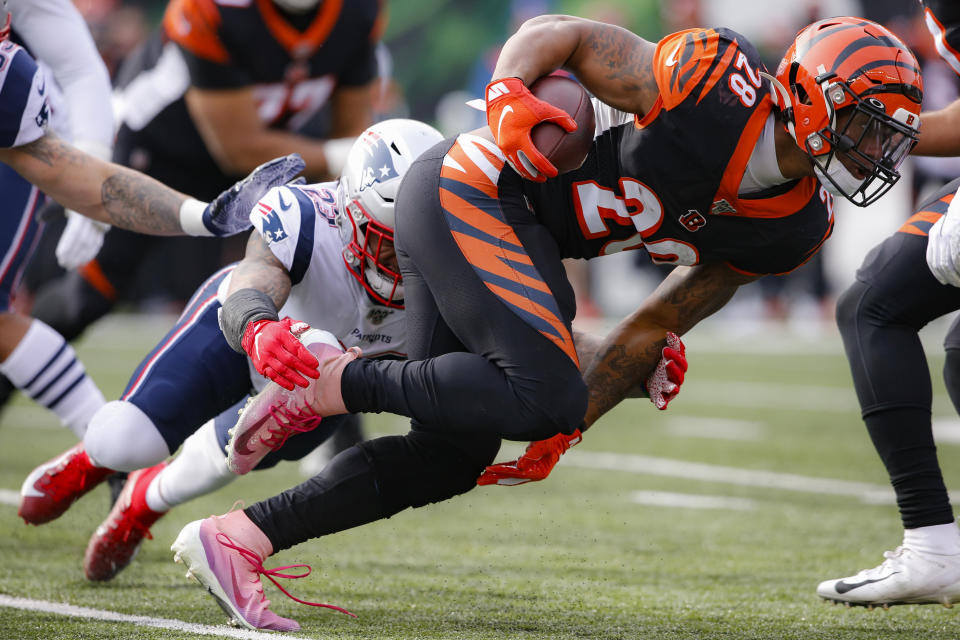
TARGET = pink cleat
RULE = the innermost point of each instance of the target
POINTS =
(117, 540)
(52, 487)
(225, 554)
(275, 414)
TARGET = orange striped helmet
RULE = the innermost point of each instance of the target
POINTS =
(849, 92)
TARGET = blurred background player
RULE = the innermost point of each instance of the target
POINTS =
(217, 90)
(908, 280)
(488, 305)
(321, 254)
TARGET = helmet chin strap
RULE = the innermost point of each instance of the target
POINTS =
(781, 99)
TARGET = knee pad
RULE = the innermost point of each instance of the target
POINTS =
(122, 437)
(423, 467)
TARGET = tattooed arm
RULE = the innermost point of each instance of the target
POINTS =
(128, 199)
(260, 269)
(611, 62)
(101, 190)
(631, 351)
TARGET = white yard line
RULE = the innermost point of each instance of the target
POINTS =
(8, 496)
(628, 463)
(691, 501)
(63, 609)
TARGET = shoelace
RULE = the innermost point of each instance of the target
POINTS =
(254, 560)
(299, 420)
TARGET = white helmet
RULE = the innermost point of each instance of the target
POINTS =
(371, 177)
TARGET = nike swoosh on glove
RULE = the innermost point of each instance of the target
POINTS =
(536, 463)
(512, 112)
(943, 245)
(229, 213)
(276, 352)
(663, 385)
(80, 241)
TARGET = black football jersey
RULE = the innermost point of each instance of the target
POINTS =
(668, 182)
(293, 65)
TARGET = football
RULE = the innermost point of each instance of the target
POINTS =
(566, 151)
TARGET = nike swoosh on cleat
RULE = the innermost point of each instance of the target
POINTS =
(844, 587)
(241, 444)
(503, 114)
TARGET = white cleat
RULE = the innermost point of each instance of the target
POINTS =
(906, 576)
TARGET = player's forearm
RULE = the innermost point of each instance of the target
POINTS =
(541, 45)
(588, 347)
(632, 350)
(101, 190)
(261, 270)
(940, 132)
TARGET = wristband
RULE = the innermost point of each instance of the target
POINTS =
(191, 218)
(240, 309)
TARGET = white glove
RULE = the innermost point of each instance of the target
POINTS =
(943, 245)
(81, 240)
(335, 152)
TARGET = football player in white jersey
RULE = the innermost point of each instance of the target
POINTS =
(32, 355)
(322, 255)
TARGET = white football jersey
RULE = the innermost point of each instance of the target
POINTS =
(23, 97)
(299, 224)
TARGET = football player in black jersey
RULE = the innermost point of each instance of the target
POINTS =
(694, 159)
(896, 293)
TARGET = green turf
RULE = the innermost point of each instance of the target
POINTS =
(572, 557)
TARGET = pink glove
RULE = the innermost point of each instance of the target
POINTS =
(512, 112)
(277, 353)
(663, 385)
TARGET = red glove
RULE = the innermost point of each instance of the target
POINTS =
(663, 385)
(535, 463)
(512, 112)
(277, 353)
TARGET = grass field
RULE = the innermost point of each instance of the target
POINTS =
(715, 519)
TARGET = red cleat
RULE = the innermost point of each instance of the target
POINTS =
(117, 540)
(52, 487)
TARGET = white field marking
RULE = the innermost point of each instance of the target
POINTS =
(714, 428)
(865, 491)
(691, 501)
(767, 395)
(10, 497)
(63, 609)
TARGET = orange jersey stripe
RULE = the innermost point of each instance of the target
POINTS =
(562, 338)
(718, 70)
(929, 217)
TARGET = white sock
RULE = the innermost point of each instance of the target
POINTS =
(200, 468)
(46, 368)
(124, 438)
(941, 539)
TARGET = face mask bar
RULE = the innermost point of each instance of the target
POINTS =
(867, 147)
(382, 282)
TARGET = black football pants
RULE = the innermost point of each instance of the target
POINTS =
(879, 316)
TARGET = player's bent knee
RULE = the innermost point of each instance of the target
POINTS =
(121, 436)
(422, 468)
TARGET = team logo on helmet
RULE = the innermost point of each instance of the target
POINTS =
(379, 165)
